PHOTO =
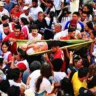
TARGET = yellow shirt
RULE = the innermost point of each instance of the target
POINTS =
(77, 84)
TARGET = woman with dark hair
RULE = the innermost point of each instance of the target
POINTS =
(6, 54)
(24, 23)
(42, 85)
(89, 10)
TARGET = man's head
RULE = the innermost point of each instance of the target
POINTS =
(71, 33)
(5, 19)
(49, 3)
(40, 16)
(20, 54)
(58, 28)
(55, 46)
(34, 3)
(34, 29)
(89, 26)
(75, 16)
(83, 16)
(17, 30)
(57, 64)
(26, 10)
(6, 28)
(82, 73)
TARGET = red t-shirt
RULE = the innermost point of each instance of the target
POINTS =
(14, 45)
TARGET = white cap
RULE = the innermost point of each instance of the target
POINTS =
(25, 8)
(1, 3)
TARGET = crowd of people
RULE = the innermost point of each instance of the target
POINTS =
(61, 72)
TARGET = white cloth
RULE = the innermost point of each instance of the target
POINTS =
(74, 5)
(38, 37)
(34, 12)
(64, 33)
(12, 82)
(29, 92)
(60, 34)
(58, 76)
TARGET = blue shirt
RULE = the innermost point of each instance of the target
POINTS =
(9, 6)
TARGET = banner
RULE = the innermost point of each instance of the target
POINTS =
(69, 44)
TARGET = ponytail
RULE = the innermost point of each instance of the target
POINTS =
(38, 82)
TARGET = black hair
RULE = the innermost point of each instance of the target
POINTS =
(34, 26)
(17, 27)
(83, 12)
(85, 62)
(40, 12)
(82, 72)
(4, 17)
(13, 91)
(50, 1)
(22, 53)
(90, 25)
(54, 44)
(5, 25)
(4, 85)
(94, 33)
(7, 44)
(46, 71)
(16, 74)
(24, 21)
(57, 64)
(71, 29)
(66, 86)
(77, 13)
(35, 1)
(34, 66)
(1, 61)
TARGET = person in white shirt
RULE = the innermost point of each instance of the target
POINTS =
(25, 13)
(58, 75)
(35, 35)
(43, 87)
(57, 4)
(35, 10)
(3, 11)
(59, 32)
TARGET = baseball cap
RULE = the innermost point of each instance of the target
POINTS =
(25, 8)
(21, 66)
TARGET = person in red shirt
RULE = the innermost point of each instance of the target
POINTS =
(13, 37)
(71, 34)
(57, 53)
(15, 12)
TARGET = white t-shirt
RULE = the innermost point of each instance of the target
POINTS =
(23, 15)
(57, 4)
(4, 12)
(60, 34)
(34, 12)
(64, 34)
(38, 37)
(45, 85)
(58, 76)
(29, 2)
(11, 82)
